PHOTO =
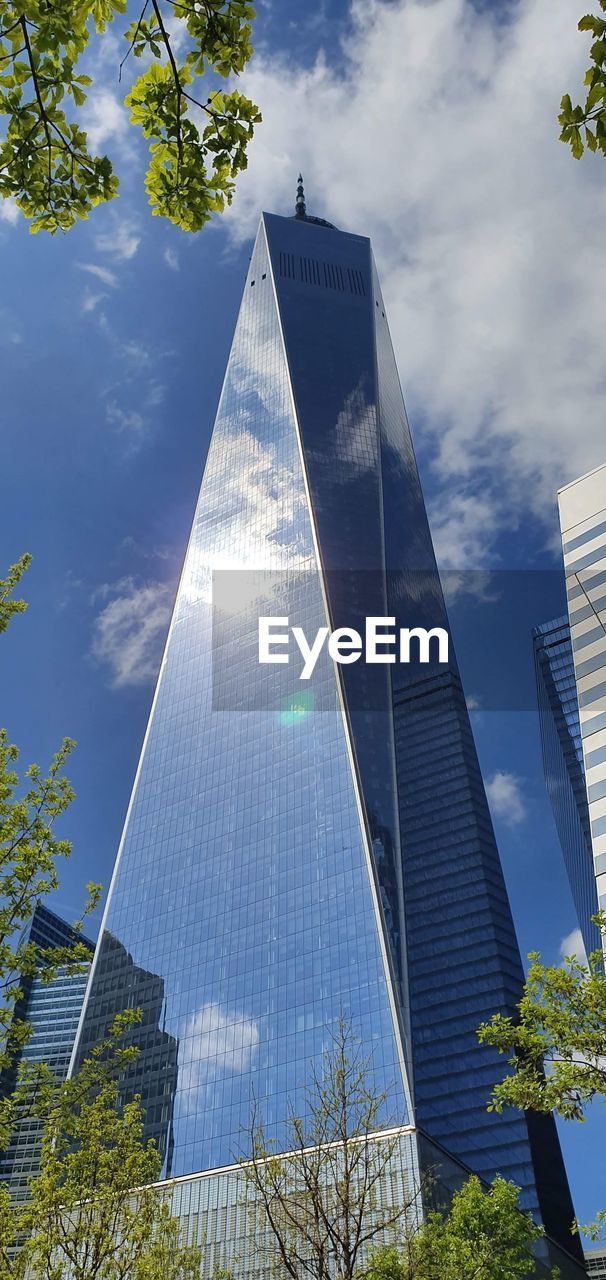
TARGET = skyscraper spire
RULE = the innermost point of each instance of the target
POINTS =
(300, 201)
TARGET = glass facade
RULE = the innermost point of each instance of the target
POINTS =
(564, 767)
(583, 523)
(53, 1009)
(242, 882)
(293, 856)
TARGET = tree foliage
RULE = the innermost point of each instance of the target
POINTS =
(483, 1236)
(29, 854)
(92, 1214)
(588, 122)
(8, 605)
(556, 1045)
(197, 144)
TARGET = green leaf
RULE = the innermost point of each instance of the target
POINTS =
(596, 94)
(576, 143)
(592, 23)
(45, 162)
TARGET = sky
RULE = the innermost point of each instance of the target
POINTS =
(429, 125)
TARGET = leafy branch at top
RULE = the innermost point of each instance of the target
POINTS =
(197, 144)
(590, 118)
(45, 164)
(192, 163)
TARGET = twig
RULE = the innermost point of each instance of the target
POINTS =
(134, 39)
(177, 80)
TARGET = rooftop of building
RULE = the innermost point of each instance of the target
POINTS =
(586, 475)
(301, 209)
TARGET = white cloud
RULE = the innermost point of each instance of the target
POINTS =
(133, 426)
(9, 211)
(134, 549)
(171, 259)
(107, 53)
(129, 421)
(101, 273)
(128, 349)
(177, 30)
(129, 630)
(91, 300)
(155, 394)
(505, 798)
(215, 1042)
(11, 328)
(573, 945)
(463, 525)
(487, 233)
(105, 120)
(121, 241)
(135, 353)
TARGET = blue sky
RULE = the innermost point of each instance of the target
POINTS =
(425, 127)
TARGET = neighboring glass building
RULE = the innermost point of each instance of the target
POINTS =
(297, 852)
(583, 523)
(53, 1009)
(564, 767)
(596, 1262)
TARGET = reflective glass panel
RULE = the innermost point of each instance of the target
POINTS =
(241, 918)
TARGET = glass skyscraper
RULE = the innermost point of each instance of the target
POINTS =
(53, 1010)
(564, 767)
(298, 851)
(582, 507)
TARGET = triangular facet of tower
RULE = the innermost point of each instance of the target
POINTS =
(245, 876)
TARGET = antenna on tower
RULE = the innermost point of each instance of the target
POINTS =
(300, 201)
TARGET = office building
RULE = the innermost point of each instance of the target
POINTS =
(53, 1010)
(298, 851)
(564, 767)
(582, 507)
(595, 1257)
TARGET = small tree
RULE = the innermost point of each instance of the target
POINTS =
(329, 1199)
(29, 854)
(45, 162)
(92, 1214)
(484, 1236)
(556, 1044)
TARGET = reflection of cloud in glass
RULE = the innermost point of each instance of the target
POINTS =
(216, 1042)
(257, 496)
(250, 515)
(256, 354)
(355, 439)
